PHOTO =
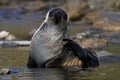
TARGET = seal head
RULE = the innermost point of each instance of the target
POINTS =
(49, 48)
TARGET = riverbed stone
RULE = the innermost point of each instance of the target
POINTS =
(92, 43)
(104, 4)
(104, 20)
(10, 37)
(103, 53)
(3, 34)
(4, 71)
(107, 25)
(107, 57)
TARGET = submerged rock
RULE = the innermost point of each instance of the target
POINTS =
(8, 45)
(106, 57)
(103, 53)
(113, 38)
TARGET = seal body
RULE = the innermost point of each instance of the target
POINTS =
(47, 41)
(49, 48)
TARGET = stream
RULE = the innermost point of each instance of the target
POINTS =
(16, 58)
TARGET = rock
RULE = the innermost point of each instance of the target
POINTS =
(106, 57)
(104, 20)
(108, 24)
(34, 6)
(3, 34)
(4, 71)
(113, 38)
(30, 34)
(91, 16)
(75, 8)
(103, 4)
(8, 45)
(10, 37)
(103, 53)
(92, 43)
(83, 34)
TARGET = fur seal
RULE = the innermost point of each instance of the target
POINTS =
(50, 49)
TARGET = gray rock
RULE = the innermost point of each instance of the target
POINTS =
(4, 71)
(106, 57)
(104, 4)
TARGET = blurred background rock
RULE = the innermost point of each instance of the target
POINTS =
(100, 18)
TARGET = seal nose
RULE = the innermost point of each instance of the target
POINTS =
(58, 15)
(57, 18)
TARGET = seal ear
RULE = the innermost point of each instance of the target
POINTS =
(86, 56)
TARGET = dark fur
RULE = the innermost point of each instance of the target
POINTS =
(84, 55)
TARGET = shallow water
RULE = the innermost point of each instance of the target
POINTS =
(16, 58)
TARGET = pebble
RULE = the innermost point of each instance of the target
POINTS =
(3, 34)
(4, 71)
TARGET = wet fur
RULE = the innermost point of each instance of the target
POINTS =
(86, 56)
(47, 41)
(50, 49)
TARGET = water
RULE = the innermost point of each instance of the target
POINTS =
(16, 59)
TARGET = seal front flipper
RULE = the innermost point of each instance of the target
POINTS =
(86, 56)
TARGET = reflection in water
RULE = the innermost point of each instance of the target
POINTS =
(46, 74)
(104, 72)
(35, 74)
